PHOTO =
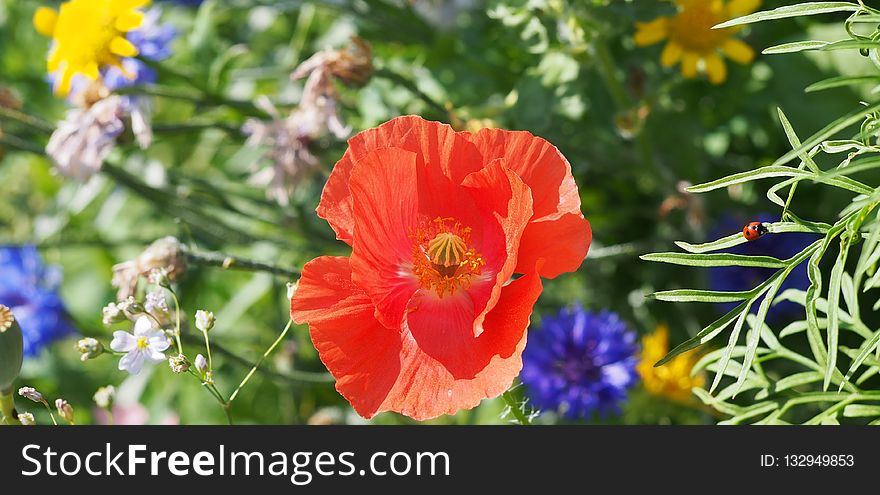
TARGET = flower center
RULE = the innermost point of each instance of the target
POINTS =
(443, 259)
(692, 27)
(142, 343)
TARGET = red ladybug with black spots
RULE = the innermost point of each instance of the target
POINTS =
(754, 230)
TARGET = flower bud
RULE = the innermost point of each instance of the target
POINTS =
(11, 348)
(204, 320)
(26, 419)
(64, 410)
(89, 348)
(201, 364)
(178, 363)
(113, 313)
(30, 393)
(105, 396)
(291, 288)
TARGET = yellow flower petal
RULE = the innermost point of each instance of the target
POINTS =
(715, 68)
(736, 8)
(738, 51)
(129, 21)
(689, 63)
(671, 54)
(648, 33)
(44, 21)
(62, 84)
(122, 47)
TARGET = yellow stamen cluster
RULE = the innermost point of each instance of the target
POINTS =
(443, 260)
(142, 343)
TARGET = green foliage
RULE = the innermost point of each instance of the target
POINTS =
(799, 375)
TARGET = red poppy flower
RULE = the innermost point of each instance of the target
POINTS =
(423, 318)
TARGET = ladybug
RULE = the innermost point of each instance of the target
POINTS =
(754, 230)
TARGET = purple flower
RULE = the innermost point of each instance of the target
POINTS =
(30, 289)
(580, 362)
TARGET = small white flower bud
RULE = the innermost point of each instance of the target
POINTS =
(30, 393)
(112, 314)
(204, 320)
(89, 348)
(105, 396)
(201, 363)
(291, 288)
(65, 410)
(26, 419)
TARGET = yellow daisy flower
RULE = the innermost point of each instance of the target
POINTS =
(673, 380)
(88, 35)
(693, 42)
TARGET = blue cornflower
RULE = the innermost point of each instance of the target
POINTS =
(30, 289)
(739, 278)
(580, 362)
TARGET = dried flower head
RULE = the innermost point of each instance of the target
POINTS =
(352, 65)
(167, 253)
(30, 393)
(85, 138)
(65, 410)
(288, 161)
(178, 363)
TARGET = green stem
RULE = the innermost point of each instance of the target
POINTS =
(292, 377)
(7, 408)
(515, 408)
(228, 262)
(25, 119)
(260, 362)
(177, 321)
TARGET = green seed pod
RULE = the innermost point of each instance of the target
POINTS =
(11, 348)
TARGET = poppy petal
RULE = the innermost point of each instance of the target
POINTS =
(385, 202)
(571, 237)
(444, 368)
(554, 192)
(358, 351)
(436, 144)
(503, 199)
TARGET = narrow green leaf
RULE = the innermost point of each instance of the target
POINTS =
(801, 9)
(699, 295)
(828, 131)
(790, 382)
(731, 344)
(863, 355)
(851, 44)
(716, 259)
(797, 46)
(723, 243)
(840, 81)
(861, 411)
(833, 332)
(704, 335)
